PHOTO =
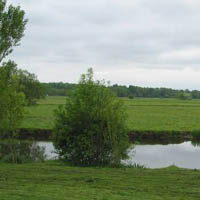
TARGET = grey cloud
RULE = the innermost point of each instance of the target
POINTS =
(110, 34)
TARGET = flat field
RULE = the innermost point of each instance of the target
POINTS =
(144, 114)
(56, 181)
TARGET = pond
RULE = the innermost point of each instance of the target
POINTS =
(185, 155)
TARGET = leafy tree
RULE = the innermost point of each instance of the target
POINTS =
(58, 89)
(195, 94)
(11, 101)
(130, 96)
(121, 91)
(30, 86)
(12, 26)
(65, 89)
(91, 129)
(184, 96)
(181, 96)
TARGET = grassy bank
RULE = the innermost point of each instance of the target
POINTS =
(143, 114)
(55, 181)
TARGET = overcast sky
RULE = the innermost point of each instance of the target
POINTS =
(150, 43)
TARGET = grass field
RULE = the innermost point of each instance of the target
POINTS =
(55, 181)
(143, 114)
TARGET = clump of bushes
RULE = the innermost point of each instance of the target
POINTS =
(131, 96)
(90, 130)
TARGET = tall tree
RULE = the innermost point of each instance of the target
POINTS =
(12, 26)
(11, 101)
(30, 86)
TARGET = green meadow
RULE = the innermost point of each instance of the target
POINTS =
(56, 181)
(144, 114)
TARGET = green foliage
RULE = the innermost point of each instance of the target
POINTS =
(30, 86)
(183, 96)
(195, 94)
(11, 101)
(91, 130)
(135, 165)
(64, 89)
(17, 89)
(131, 96)
(121, 91)
(12, 26)
(58, 89)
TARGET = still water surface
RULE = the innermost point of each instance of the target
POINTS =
(185, 155)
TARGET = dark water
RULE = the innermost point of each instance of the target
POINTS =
(185, 155)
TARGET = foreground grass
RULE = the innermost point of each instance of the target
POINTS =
(53, 180)
(143, 114)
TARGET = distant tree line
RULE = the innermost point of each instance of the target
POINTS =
(58, 89)
(65, 89)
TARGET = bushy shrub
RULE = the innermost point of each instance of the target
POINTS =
(131, 96)
(90, 129)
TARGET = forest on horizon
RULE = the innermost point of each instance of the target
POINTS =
(65, 89)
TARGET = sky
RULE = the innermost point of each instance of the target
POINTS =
(146, 43)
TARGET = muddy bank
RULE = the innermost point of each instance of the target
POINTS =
(36, 134)
(160, 137)
(31, 134)
(150, 137)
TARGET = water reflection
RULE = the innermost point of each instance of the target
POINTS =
(49, 150)
(196, 143)
(16, 151)
(184, 155)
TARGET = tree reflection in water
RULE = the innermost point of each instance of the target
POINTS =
(196, 143)
(17, 151)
